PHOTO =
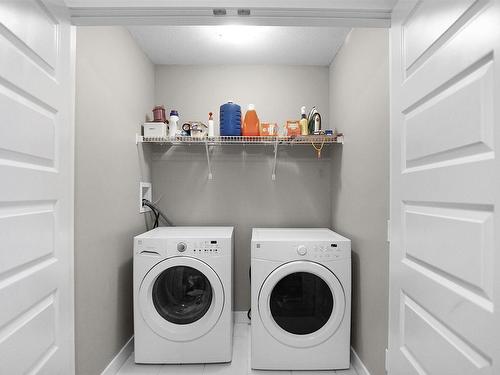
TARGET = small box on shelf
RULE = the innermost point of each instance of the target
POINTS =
(155, 130)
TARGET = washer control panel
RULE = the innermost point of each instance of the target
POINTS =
(199, 247)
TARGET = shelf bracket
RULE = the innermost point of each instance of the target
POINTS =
(273, 176)
(210, 176)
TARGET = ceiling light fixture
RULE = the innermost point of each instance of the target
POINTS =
(240, 34)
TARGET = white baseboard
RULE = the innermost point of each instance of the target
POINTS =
(122, 356)
(358, 365)
(240, 317)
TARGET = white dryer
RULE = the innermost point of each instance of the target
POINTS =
(183, 295)
(301, 299)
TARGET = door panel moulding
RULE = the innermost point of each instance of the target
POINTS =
(95, 16)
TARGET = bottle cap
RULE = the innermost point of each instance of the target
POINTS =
(174, 112)
(251, 107)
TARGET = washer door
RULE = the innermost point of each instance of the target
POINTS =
(301, 303)
(181, 298)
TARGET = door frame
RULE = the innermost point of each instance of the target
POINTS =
(313, 13)
(340, 13)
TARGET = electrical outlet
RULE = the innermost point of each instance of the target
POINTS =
(145, 192)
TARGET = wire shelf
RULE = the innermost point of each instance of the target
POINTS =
(274, 141)
(270, 140)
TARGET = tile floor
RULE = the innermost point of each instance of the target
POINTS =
(239, 366)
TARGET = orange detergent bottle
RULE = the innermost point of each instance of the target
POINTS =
(250, 126)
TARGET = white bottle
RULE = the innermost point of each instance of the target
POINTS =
(172, 123)
(211, 127)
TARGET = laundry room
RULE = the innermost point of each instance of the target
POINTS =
(235, 187)
(342, 72)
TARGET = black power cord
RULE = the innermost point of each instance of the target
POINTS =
(157, 212)
(249, 312)
(156, 223)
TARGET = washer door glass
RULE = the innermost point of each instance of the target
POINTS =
(301, 303)
(182, 295)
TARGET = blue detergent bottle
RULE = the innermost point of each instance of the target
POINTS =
(230, 119)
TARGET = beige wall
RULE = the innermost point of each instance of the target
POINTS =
(114, 91)
(242, 192)
(359, 106)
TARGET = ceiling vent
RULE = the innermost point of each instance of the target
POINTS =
(219, 12)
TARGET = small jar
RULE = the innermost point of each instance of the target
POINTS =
(159, 114)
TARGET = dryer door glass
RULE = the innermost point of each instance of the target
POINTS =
(182, 295)
(301, 303)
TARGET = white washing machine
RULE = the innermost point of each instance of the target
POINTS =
(183, 295)
(301, 299)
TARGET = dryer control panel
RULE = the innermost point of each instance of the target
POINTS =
(315, 251)
(327, 251)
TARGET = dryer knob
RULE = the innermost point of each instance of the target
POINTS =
(181, 247)
(302, 250)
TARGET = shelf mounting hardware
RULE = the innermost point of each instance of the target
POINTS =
(210, 176)
(273, 176)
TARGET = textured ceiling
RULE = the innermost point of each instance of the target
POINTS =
(193, 45)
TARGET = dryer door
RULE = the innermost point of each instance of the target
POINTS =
(181, 298)
(302, 303)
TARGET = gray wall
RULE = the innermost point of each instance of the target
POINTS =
(359, 106)
(278, 91)
(242, 192)
(114, 91)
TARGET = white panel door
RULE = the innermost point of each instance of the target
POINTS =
(36, 188)
(445, 188)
